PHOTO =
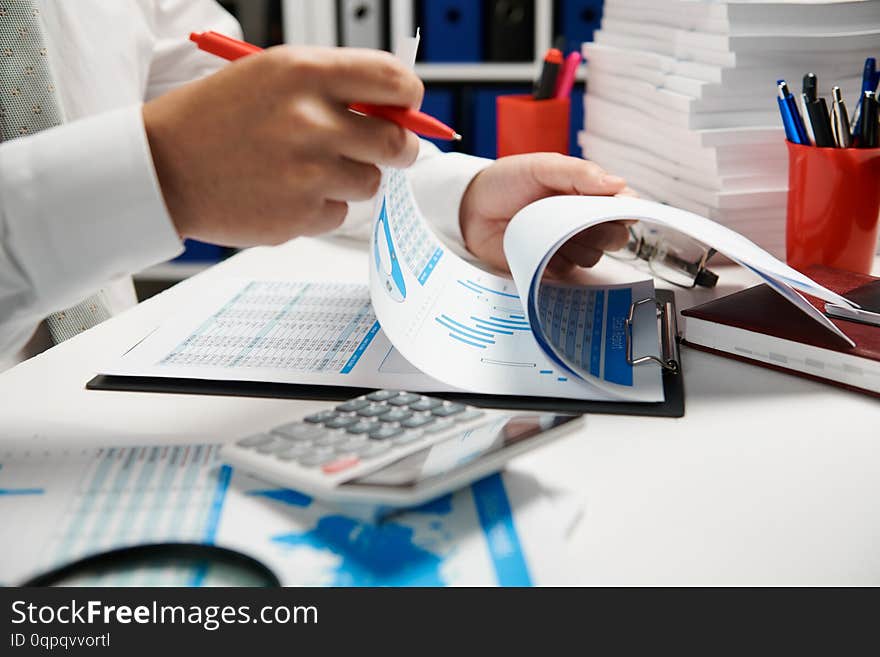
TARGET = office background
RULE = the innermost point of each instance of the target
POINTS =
(472, 51)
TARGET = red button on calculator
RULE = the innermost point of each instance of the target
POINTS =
(341, 464)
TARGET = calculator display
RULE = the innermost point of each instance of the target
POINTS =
(459, 450)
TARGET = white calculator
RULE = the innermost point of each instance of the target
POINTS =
(392, 448)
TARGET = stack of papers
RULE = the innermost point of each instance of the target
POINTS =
(681, 98)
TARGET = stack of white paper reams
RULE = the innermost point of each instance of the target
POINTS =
(681, 98)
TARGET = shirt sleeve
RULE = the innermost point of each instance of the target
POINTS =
(176, 60)
(439, 181)
(73, 217)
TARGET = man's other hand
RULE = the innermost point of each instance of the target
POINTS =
(511, 183)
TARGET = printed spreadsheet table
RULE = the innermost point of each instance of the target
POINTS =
(297, 326)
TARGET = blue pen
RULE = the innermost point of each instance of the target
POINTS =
(870, 79)
(795, 131)
(870, 76)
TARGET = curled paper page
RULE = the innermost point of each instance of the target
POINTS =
(469, 329)
(537, 231)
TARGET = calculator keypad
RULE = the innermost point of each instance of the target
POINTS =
(368, 427)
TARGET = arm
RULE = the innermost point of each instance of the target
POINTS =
(175, 60)
(439, 181)
(72, 218)
(470, 200)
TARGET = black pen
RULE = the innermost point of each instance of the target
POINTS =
(810, 91)
(549, 72)
(868, 122)
(817, 113)
(840, 120)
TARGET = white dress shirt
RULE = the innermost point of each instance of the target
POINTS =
(80, 204)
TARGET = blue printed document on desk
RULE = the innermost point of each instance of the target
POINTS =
(59, 506)
(432, 321)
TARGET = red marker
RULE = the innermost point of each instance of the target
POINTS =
(419, 122)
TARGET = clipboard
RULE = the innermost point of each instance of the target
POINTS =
(669, 360)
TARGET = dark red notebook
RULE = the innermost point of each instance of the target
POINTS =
(759, 326)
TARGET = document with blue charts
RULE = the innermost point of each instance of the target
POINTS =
(470, 330)
(485, 333)
(62, 505)
(431, 321)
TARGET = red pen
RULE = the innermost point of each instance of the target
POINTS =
(419, 122)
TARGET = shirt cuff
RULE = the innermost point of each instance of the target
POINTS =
(83, 205)
(439, 183)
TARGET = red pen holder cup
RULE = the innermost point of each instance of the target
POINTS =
(833, 207)
(526, 125)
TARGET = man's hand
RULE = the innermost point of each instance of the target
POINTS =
(511, 183)
(266, 149)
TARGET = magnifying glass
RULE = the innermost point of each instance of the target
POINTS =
(209, 564)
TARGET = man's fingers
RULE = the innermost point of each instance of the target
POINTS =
(580, 254)
(585, 249)
(559, 267)
(569, 175)
(627, 192)
(354, 75)
(326, 216)
(347, 180)
(375, 141)
(610, 236)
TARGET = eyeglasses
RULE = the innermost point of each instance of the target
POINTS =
(669, 255)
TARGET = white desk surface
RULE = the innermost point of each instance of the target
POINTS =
(769, 479)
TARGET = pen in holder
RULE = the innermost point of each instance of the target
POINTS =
(526, 125)
(833, 207)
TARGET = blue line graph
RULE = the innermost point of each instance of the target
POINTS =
(473, 344)
(515, 322)
(494, 324)
(446, 320)
(466, 333)
(493, 327)
(473, 286)
(479, 332)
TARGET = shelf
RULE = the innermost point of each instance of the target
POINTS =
(478, 72)
(481, 72)
(173, 271)
(314, 22)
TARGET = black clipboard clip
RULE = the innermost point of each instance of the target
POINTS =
(668, 323)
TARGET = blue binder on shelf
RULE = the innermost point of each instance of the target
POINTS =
(482, 128)
(577, 119)
(439, 102)
(195, 251)
(452, 30)
(576, 20)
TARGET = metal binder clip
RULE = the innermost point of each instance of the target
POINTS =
(668, 336)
